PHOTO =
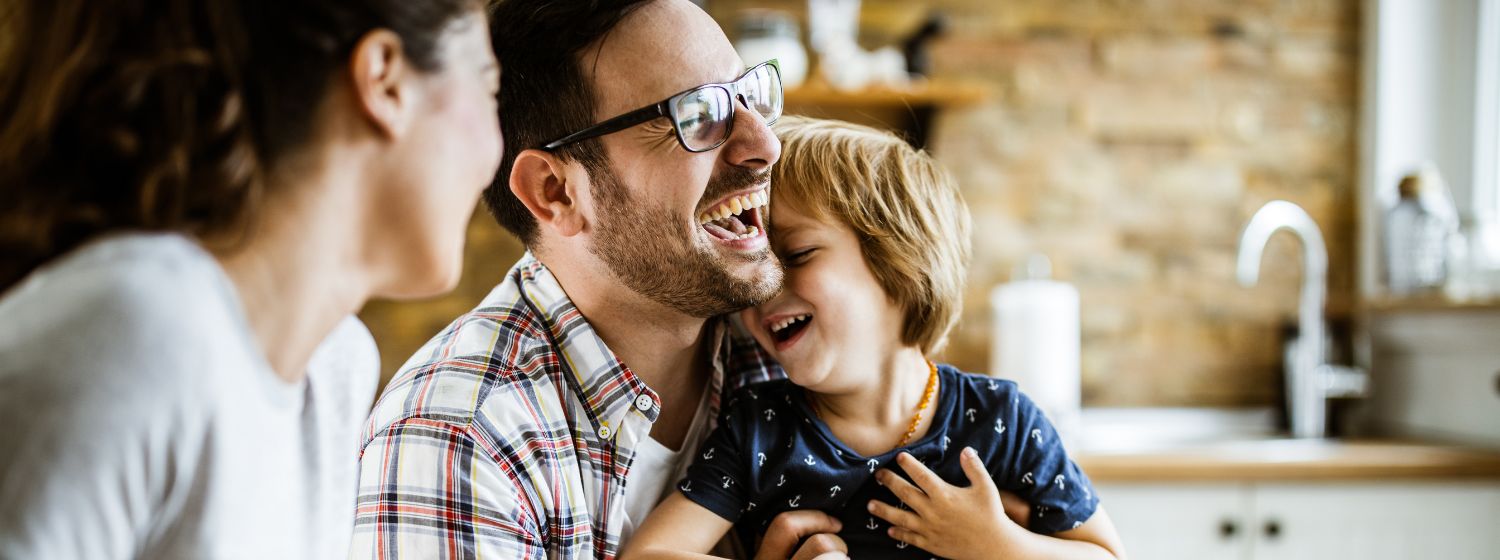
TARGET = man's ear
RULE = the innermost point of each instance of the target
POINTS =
(378, 70)
(540, 181)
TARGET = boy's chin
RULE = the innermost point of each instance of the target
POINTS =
(806, 379)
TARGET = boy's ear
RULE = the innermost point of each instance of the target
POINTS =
(540, 181)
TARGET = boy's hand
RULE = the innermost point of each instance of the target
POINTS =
(790, 528)
(947, 520)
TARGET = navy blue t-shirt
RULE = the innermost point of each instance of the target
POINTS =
(771, 454)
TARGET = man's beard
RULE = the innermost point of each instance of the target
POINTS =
(643, 248)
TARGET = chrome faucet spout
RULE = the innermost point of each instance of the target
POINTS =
(1306, 394)
(1276, 216)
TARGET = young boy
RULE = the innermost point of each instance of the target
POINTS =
(874, 239)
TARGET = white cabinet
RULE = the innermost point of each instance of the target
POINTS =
(1294, 521)
(1168, 521)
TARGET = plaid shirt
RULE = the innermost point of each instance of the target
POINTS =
(509, 435)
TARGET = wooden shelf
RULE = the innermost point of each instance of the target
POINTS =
(931, 94)
(1391, 304)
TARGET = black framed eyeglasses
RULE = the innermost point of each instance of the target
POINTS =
(703, 117)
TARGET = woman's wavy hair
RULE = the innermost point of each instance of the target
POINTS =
(166, 115)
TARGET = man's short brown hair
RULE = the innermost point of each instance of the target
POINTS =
(911, 221)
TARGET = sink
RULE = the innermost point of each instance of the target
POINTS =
(1128, 430)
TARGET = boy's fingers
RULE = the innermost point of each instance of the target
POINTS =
(974, 469)
(894, 515)
(789, 528)
(1017, 509)
(925, 479)
(907, 536)
(822, 546)
(910, 495)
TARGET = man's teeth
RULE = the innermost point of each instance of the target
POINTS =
(787, 322)
(735, 206)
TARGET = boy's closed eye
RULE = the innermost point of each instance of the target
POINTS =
(798, 256)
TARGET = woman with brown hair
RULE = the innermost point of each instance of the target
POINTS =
(195, 196)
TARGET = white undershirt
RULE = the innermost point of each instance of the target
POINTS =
(656, 469)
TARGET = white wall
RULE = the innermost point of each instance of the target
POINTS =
(1421, 105)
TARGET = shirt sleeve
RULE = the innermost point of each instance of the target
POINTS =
(1039, 471)
(718, 479)
(428, 491)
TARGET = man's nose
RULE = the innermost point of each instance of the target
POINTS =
(751, 144)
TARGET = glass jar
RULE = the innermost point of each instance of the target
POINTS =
(766, 34)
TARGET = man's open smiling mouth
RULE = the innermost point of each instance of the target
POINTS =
(737, 218)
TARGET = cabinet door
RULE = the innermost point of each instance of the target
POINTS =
(1377, 521)
(1180, 521)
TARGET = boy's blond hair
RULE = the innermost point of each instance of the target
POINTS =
(912, 224)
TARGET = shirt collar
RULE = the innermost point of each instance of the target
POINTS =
(607, 387)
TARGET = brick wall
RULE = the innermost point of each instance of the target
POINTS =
(1129, 141)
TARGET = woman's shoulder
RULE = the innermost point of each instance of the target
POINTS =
(153, 277)
(149, 308)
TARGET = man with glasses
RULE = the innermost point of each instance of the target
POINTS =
(549, 420)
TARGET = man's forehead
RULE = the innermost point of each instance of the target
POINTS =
(663, 48)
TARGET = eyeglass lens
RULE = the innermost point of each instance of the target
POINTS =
(703, 115)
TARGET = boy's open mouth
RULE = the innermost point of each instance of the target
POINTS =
(787, 328)
(736, 218)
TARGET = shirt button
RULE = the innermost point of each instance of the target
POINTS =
(604, 432)
(643, 403)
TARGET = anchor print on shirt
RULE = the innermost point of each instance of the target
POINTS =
(994, 386)
(770, 414)
(834, 491)
(970, 413)
(999, 426)
(794, 501)
(780, 481)
(687, 487)
(1059, 482)
(708, 454)
(1026, 479)
(872, 463)
(809, 461)
(1036, 434)
(727, 481)
(946, 441)
(760, 459)
(872, 525)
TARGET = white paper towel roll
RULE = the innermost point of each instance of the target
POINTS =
(1035, 342)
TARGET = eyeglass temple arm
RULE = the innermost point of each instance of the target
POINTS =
(613, 125)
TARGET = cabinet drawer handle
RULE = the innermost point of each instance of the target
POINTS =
(1227, 529)
(1273, 529)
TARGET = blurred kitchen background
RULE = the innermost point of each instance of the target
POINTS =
(1121, 148)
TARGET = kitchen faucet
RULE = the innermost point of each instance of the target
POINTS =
(1310, 380)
